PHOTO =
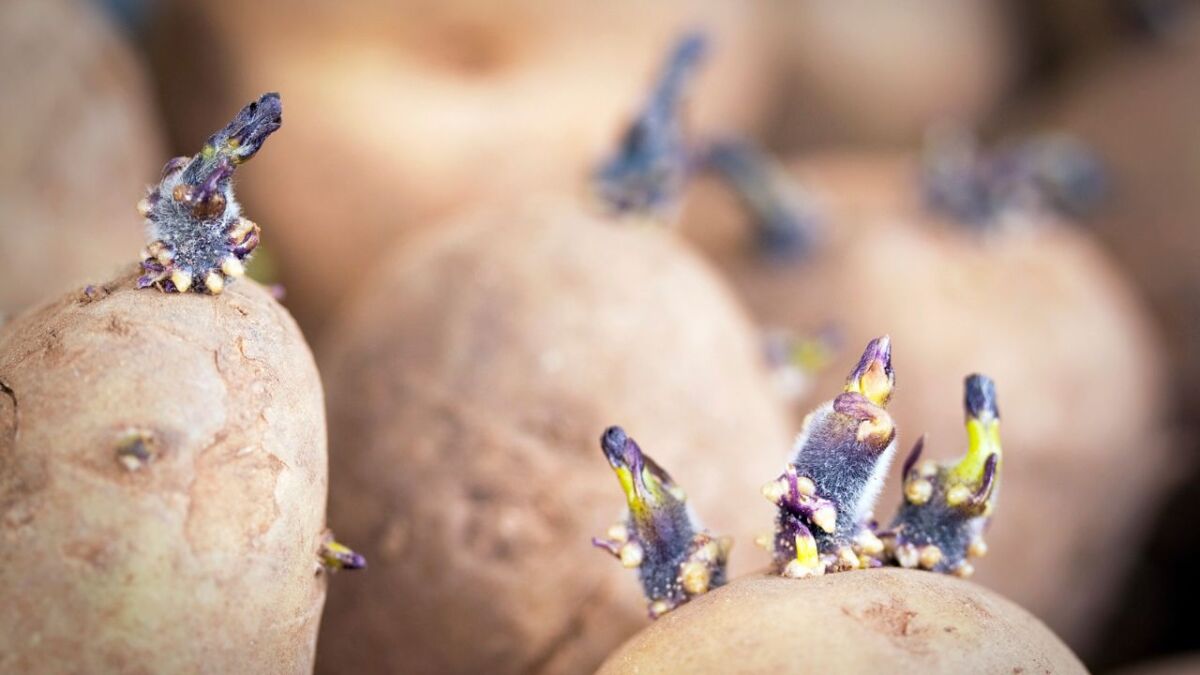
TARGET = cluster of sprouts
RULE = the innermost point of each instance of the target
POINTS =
(824, 497)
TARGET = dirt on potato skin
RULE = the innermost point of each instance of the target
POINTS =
(469, 384)
(882, 620)
(162, 484)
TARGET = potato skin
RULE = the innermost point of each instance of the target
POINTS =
(469, 383)
(1041, 309)
(80, 143)
(432, 105)
(201, 558)
(884, 620)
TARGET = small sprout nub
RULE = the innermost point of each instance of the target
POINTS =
(335, 556)
(136, 449)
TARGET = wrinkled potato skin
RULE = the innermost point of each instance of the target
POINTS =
(433, 105)
(1041, 309)
(469, 384)
(875, 621)
(80, 142)
(203, 559)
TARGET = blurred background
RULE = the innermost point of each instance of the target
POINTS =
(1005, 186)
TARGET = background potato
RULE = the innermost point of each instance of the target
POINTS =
(432, 105)
(872, 72)
(885, 620)
(1037, 305)
(1139, 112)
(80, 139)
(162, 484)
(469, 383)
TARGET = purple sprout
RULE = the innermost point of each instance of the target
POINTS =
(979, 186)
(659, 536)
(833, 478)
(787, 222)
(199, 239)
(335, 556)
(946, 507)
(647, 172)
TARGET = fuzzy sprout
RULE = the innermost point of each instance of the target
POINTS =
(335, 556)
(946, 507)
(198, 237)
(826, 492)
(659, 536)
(980, 187)
(646, 174)
(786, 220)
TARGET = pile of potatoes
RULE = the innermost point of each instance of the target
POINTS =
(469, 318)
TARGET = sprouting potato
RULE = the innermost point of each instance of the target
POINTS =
(984, 283)
(162, 454)
(468, 381)
(481, 358)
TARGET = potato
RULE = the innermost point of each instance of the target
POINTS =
(1036, 305)
(80, 137)
(433, 106)
(886, 620)
(469, 381)
(872, 72)
(1187, 663)
(1139, 112)
(162, 484)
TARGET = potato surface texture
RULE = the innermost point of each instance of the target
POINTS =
(873, 621)
(162, 485)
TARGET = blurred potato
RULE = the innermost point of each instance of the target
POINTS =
(1035, 304)
(80, 143)
(401, 112)
(1141, 113)
(1177, 664)
(469, 382)
(877, 72)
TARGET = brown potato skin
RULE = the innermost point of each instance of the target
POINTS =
(1041, 309)
(432, 106)
(81, 141)
(202, 560)
(469, 383)
(873, 621)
